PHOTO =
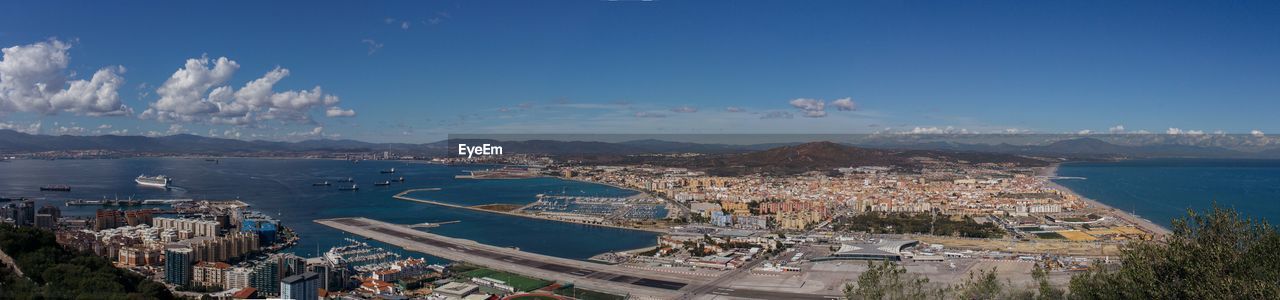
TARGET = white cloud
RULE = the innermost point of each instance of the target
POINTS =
(812, 108)
(645, 114)
(734, 109)
(937, 130)
(198, 92)
(374, 45)
(174, 129)
(844, 104)
(1084, 132)
(334, 112)
(1257, 133)
(34, 78)
(32, 128)
(1116, 129)
(684, 109)
(404, 25)
(1177, 131)
(104, 126)
(73, 130)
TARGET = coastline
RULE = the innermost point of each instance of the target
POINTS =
(1156, 229)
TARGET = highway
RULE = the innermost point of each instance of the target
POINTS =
(637, 283)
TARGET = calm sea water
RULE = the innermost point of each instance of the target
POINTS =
(282, 188)
(1163, 189)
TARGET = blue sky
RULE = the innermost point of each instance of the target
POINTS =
(414, 71)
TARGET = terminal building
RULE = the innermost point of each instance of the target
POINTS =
(882, 249)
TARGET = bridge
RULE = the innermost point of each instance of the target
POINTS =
(614, 279)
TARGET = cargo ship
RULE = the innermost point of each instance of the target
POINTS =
(351, 188)
(389, 171)
(159, 181)
(384, 183)
(326, 183)
(56, 188)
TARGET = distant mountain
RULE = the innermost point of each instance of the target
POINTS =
(1092, 148)
(1074, 148)
(806, 157)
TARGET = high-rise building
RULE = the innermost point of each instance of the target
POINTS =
(22, 213)
(263, 226)
(238, 278)
(266, 277)
(196, 227)
(47, 217)
(177, 265)
(210, 274)
(303, 286)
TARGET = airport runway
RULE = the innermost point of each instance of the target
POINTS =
(607, 278)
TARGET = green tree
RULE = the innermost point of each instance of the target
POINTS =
(890, 281)
(1218, 255)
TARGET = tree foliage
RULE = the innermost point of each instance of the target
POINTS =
(1218, 255)
(57, 273)
(875, 222)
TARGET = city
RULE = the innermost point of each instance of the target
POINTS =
(650, 149)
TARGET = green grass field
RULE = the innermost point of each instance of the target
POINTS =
(521, 283)
(1050, 236)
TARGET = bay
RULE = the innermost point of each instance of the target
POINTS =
(283, 189)
(1163, 189)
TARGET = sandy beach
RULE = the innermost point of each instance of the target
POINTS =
(1052, 171)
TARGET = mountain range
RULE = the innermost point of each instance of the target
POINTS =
(1072, 148)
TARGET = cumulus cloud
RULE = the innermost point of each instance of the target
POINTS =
(684, 109)
(1116, 129)
(844, 104)
(1178, 131)
(1257, 133)
(734, 109)
(31, 128)
(1084, 132)
(34, 78)
(104, 126)
(812, 108)
(645, 114)
(334, 112)
(198, 92)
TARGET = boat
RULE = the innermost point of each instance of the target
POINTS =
(401, 179)
(160, 181)
(326, 183)
(351, 188)
(348, 179)
(389, 171)
(56, 188)
(384, 183)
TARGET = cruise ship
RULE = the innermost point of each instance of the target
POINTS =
(156, 181)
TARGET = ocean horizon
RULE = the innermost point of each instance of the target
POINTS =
(1161, 190)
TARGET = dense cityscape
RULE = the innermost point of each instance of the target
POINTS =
(952, 218)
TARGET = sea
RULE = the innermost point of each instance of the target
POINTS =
(1163, 189)
(282, 188)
